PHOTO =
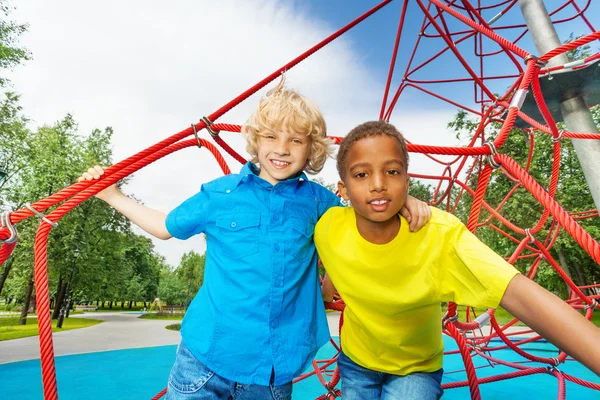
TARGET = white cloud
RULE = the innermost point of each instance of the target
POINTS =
(149, 69)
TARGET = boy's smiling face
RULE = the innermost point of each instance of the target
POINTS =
(375, 181)
(282, 154)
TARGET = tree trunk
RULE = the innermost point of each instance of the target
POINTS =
(565, 267)
(110, 305)
(24, 312)
(579, 278)
(60, 298)
(53, 299)
(69, 306)
(33, 305)
(122, 304)
(130, 304)
(103, 302)
(7, 266)
(582, 280)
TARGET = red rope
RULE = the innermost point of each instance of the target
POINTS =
(436, 24)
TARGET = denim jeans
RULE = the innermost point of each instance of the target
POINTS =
(190, 379)
(360, 383)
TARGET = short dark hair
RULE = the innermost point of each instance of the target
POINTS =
(364, 130)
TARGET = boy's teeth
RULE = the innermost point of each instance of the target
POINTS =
(282, 163)
(379, 201)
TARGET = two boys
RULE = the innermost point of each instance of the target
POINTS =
(258, 319)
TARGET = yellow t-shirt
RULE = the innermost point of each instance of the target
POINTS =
(392, 321)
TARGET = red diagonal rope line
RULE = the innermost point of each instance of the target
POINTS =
(585, 240)
(44, 204)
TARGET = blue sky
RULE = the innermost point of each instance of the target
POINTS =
(374, 40)
(149, 69)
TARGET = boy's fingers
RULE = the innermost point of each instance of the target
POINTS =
(99, 170)
(92, 173)
(406, 214)
(413, 225)
(423, 218)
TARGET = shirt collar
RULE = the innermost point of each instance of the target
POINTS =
(250, 172)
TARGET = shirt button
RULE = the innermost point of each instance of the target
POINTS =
(277, 283)
(276, 247)
(276, 217)
(233, 224)
(228, 191)
(274, 324)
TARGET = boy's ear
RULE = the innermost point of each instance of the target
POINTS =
(343, 191)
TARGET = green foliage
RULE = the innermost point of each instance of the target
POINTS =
(522, 209)
(191, 273)
(579, 52)
(113, 263)
(181, 285)
(11, 54)
(420, 190)
(171, 290)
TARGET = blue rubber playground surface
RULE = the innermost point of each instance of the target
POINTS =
(142, 373)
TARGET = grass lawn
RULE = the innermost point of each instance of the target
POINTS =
(174, 327)
(174, 316)
(10, 330)
(502, 316)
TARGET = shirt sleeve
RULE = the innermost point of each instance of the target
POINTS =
(472, 273)
(332, 200)
(189, 218)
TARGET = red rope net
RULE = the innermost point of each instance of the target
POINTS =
(453, 22)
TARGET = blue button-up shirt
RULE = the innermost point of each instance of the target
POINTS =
(260, 308)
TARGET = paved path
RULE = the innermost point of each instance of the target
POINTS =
(119, 331)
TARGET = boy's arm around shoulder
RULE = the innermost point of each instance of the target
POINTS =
(327, 289)
(416, 212)
(555, 320)
(148, 219)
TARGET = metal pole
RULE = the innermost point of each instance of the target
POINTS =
(575, 112)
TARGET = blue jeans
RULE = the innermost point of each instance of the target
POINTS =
(191, 380)
(360, 383)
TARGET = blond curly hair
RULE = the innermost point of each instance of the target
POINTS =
(286, 109)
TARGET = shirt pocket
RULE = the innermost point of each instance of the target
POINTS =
(301, 238)
(239, 234)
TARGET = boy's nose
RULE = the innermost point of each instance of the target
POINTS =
(282, 148)
(377, 183)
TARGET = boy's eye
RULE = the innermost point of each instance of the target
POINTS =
(394, 172)
(297, 141)
(269, 136)
(360, 175)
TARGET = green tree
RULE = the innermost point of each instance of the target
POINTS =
(11, 54)
(171, 290)
(191, 273)
(522, 209)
